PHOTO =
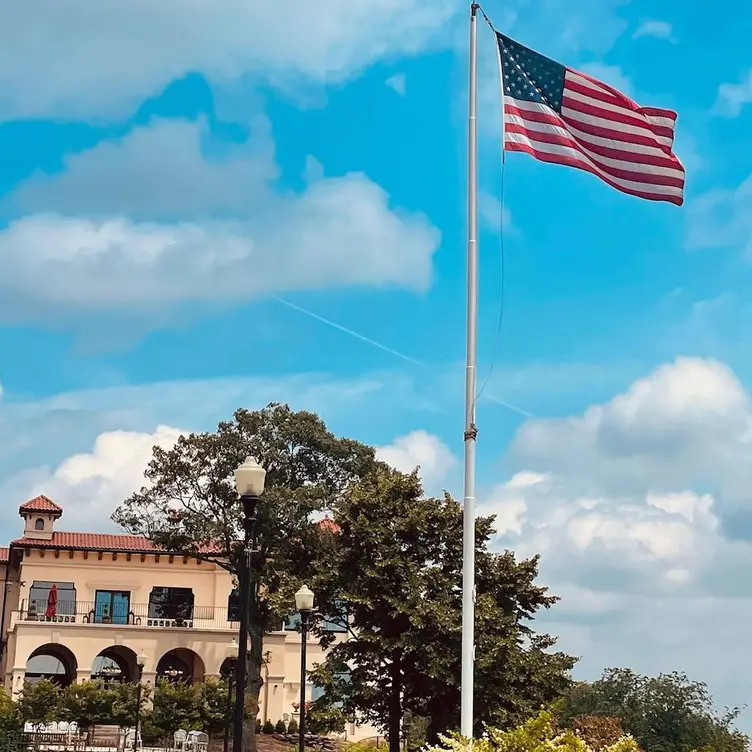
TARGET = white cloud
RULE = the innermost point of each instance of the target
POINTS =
(733, 97)
(243, 239)
(420, 448)
(90, 485)
(637, 492)
(397, 82)
(655, 29)
(87, 445)
(640, 510)
(103, 59)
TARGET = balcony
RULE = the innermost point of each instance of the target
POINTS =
(140, 615)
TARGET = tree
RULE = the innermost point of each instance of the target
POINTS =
(87, 703)
(11, 722)
(176, 706)
(123, 699)
(307, 467)
(391, 577)
(39, 702)
(667, 713)
(214, 711)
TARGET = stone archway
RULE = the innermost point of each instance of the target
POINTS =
(116, 663)
(181, 665)
(53, 662)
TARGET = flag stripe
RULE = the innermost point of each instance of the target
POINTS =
(603, 121)
(610, 110)
(616, 167)
(628, 181)
(559, 156)
(532, 112)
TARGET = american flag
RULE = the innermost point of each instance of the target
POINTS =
(560, 115)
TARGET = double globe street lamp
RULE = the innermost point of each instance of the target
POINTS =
(250, 478)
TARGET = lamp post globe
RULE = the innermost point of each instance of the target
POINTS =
(304, 599)
(250, 478)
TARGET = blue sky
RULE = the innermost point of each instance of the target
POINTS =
(175, 188)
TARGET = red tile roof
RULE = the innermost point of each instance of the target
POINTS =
(91, 542)
(40, 504)
(4, 555)
(100, 542)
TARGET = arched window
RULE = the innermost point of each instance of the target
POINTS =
(39, 524)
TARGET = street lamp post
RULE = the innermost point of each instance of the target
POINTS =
(232, 654)
(249, 483)
(140, 663)
(304, 603)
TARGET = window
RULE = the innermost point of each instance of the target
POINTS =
(39, 524)
(40, 599)
(171, 603)
(111, 607)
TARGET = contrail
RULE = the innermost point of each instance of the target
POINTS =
(391, 351)
(344, 329)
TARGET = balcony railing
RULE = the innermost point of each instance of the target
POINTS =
(158, 616)
(170, 616)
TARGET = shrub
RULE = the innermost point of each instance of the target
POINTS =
(537, 735)
(292, 727)
(258, 725)
(268, 727)
(280, 727)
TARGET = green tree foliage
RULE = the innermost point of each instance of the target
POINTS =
(307, 470)
(280, 727)
(87, 703)
(392, 577)
(40, 702)
(124, 700)
(11, 721)
(176, 706)
(214, 710)
(292, 727)
(268, 727)
(538, 734)
(668, 713)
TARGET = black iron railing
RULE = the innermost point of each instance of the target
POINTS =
(182, 615)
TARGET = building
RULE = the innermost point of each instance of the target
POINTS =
(77, 606)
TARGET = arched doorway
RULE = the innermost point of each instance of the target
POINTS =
(53, 662)
(114, 664)
(180, 665)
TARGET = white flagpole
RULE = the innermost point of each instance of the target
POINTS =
(468, 513)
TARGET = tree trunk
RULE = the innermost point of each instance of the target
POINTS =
(395, 703)
(254, 679)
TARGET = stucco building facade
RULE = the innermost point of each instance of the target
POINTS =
(82, 605)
